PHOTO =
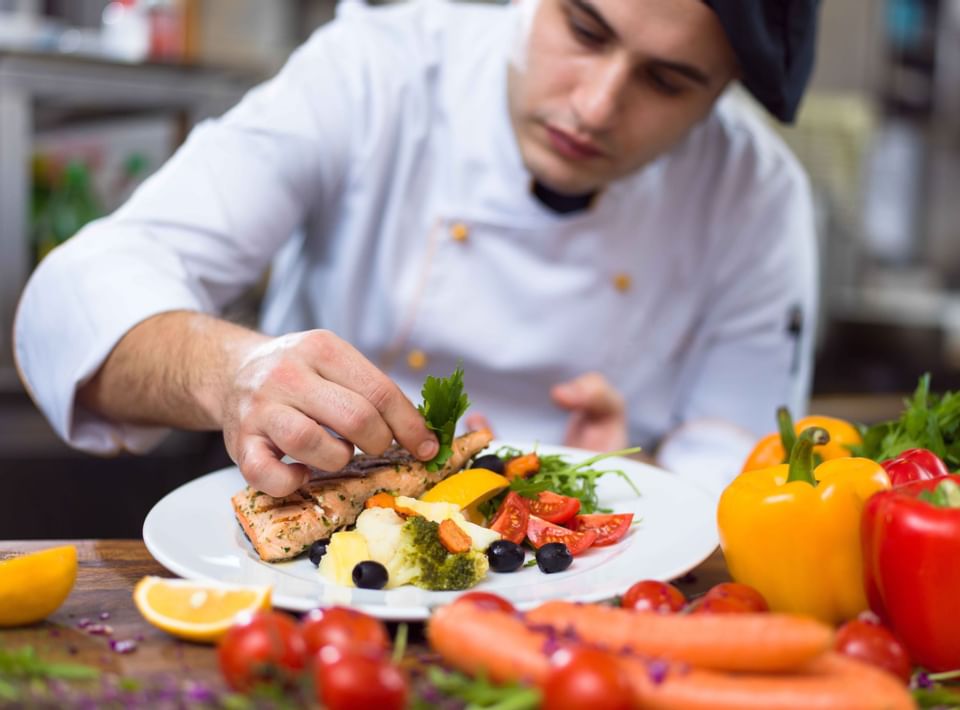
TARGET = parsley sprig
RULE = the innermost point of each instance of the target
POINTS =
(480, 694)
(444, 402)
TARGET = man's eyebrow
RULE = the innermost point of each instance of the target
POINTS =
(588, 8)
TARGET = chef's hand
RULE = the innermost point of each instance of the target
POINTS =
(288, 391)
(598, 416)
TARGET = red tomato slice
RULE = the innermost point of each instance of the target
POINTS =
(540, 532)
(553, 507)
(609, 528)
(511, 519)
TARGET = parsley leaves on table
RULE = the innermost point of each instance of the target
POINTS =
(444, 402)
(929, 421)
(480, 694)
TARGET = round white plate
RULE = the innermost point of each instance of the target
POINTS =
(192, 532)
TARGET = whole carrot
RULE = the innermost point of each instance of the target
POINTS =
(727, 642)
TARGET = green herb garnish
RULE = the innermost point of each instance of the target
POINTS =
(444, 402)
(480, 694)
(23, 663)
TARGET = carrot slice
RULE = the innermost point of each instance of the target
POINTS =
(381, 500)
(522, 466)
(454, 538)
(729, 642)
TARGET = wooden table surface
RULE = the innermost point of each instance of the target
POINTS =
(100, 610)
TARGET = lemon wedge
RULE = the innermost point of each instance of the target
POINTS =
(196, 611)
(33, 586)
(468, 488)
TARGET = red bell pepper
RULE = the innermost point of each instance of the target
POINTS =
(911, 547)
(914, 465)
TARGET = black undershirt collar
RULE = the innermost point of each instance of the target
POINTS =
(561, 204)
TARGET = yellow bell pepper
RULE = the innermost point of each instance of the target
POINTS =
(793, 532)
(771, 449)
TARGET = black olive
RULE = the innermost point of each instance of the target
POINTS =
(370, 575)
(491, 462)
(317, 551)
(553, 557)
(505, 556)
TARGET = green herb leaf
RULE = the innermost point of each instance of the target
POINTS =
(945, 495)
(480, 694)
(937, 697)
(23, 663)
(444, 402)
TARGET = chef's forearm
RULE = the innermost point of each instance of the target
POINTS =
(172, 369)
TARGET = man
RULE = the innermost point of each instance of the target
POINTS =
(553, 194)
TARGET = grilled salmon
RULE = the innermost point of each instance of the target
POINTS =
(281, 528)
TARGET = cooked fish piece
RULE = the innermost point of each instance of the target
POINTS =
(281, 528)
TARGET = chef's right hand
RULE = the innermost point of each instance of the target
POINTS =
(285, 393)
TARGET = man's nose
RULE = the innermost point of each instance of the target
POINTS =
(599, 95)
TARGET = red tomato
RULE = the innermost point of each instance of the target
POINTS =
(737, 597)
(264, 647)
(486, 600)
(541, 532)
(876, 645)
(347, 629)
(651, 595)
(585, 678)
(609, 528)
(348, 680)
(720, 605)
(511, 519)
(553, 507)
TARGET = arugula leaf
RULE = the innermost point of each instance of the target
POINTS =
(444, 402)
(479, 694)
(937, 697)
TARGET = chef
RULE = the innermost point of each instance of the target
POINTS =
(561, 195)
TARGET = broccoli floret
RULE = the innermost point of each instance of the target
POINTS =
(421, 559)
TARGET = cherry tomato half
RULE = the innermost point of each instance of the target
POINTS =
(651, 595)
(874, 644)
(486, 600)
(736, 596)
(345, 628)
(511, 519)
(348, 680)
(266, 646)
(585, 678)
(540, 532)
(553, 507)
(609, 528)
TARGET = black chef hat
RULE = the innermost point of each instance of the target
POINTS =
(774, 43)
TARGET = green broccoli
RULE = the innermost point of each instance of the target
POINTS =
(422, 560)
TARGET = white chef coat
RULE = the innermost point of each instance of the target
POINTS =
(384, 147)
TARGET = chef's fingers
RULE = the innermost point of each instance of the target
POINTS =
(477, 422)
(338, 361)
(260, 464)
(349, 414)
(589, 393)
(303, 438)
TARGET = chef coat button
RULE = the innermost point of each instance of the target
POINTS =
(459, 232)
(416, 359)
(622, 282)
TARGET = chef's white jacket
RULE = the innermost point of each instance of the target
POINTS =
(379, 174)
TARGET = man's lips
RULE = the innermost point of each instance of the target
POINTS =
(570, 147)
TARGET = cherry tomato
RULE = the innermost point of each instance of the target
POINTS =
(266, 646)
(486, 600)
(609, 528)
(651, 595)
(511, 519)
(720, 605)
(553, 507)
(540, 532)
(876, 645)
(585, 678)
(345, 628)
(746, 596)
(349, 680)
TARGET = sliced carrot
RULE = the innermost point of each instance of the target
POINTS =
(522, 466)
(381, 500)
(482, 641)
(728, 642)
(454, 538)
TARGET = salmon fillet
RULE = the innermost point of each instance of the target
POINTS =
(281, 528)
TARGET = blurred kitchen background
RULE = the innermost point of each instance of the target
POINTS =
(95, 95)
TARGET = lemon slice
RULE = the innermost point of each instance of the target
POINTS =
(467, 488)
(196, 611)
(34, 586)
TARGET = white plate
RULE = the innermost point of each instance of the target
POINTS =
(192, 532)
